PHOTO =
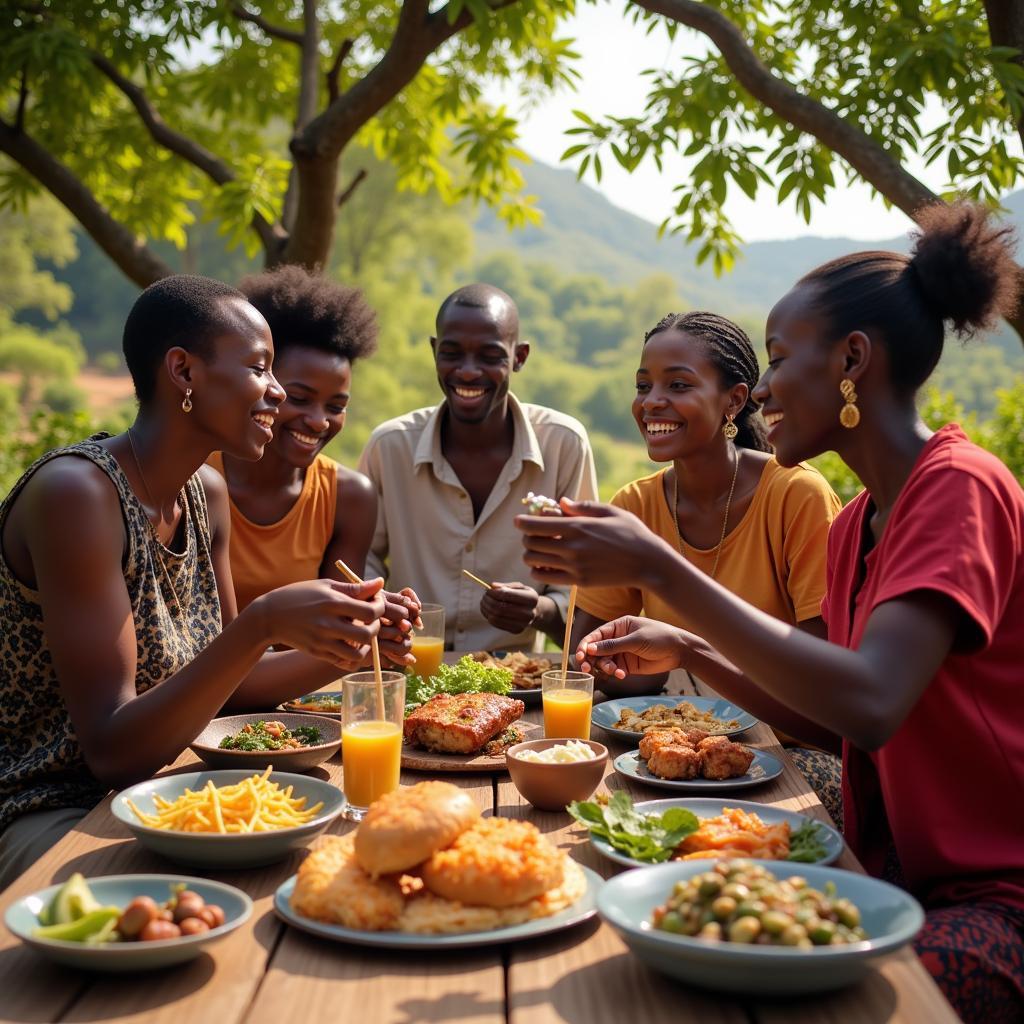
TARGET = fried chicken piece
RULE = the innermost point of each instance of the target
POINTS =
(674, 761)
(720, 758)
(655, 739)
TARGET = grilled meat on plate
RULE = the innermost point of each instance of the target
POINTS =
(460, 723)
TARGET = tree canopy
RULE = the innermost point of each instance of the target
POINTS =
(135, 113)
(797, 97)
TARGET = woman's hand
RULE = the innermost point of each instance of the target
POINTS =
(401, 613)
(632, 645)
(329, 620)
(591, 545)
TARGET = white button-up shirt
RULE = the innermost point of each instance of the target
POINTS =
(426, 534)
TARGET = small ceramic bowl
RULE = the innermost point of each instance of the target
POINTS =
(119, 890)
(549, 787)
(298, 759)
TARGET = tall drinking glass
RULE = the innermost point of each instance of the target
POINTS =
(428, 642)
(568, 701)
(371, 738)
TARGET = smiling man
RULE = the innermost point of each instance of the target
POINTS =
(450, 477)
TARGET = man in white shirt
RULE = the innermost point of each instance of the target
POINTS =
(451, 477)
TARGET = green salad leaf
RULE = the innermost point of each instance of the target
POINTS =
(651, 838)
(806, 844)
(465, 676)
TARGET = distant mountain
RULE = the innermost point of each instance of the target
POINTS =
(583, 232)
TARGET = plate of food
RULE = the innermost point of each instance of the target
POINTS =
(677, 769)
(325, 702)
(127, 922)
(293, 742)
(661, 830)
(227, 819)
(630, 717)
(819, 928)
(419, 873)
(463, 718)
(527, 671)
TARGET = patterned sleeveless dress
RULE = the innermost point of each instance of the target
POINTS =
(41, 762)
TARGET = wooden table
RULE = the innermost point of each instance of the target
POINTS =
(268, 973)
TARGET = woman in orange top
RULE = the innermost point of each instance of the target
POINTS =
(724, 502)
(296, 511)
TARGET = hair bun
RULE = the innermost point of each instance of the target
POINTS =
(964, 262)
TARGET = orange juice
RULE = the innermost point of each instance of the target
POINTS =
(372, 755)
(567, 713)
(429, 653)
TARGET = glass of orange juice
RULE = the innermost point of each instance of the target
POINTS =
(371, 737)
(568, 701)
(428, 642)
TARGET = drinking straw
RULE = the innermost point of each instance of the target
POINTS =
(568, 632)
(476, 579)
(374, 647)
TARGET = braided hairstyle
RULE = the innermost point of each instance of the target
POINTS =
(729, 349)
(960, 271)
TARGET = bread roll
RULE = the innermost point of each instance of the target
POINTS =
(403, 828)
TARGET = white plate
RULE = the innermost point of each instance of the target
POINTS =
(831, 840)
(763, 768)
(583, 909)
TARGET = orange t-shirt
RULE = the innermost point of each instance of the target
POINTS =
(774, 558)
(290, 550)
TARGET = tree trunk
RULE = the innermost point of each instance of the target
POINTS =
(309, 244)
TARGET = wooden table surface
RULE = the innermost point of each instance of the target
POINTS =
(268, 973)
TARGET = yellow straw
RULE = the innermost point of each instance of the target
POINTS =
(476, 579)
(568, 633)
(374, 647)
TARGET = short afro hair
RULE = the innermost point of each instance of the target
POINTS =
(184, 311)
(309, 311)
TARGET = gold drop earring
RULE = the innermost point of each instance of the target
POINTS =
(729, 429)
(849, 415)
(186, 402)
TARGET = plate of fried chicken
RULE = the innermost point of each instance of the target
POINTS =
(691, 759)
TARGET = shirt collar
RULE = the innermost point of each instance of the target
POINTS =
(525, 446)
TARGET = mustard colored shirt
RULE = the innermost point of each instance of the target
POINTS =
(291, 550)
(774, 558)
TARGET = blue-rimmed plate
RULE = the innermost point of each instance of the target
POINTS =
(763, 768)
(890, 916)
(583, 909)
(22, 918)
(733, 718)
(830, 839)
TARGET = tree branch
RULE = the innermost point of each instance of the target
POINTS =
(1006, 28)
(19, 116)
(188, 149)
(873, 164)
(134, 258)
(332, 75)
(242, 13)
(309, 87)
(346, 194)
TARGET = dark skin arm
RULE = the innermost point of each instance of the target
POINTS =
(870, 690)
(627, 685)
(355, 519)
(74, 535)
(514, 607)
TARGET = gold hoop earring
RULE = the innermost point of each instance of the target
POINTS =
(730, 429)
(186, 402)
(849, 415)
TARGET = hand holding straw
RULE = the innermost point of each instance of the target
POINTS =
(374, 647)
(476, 579)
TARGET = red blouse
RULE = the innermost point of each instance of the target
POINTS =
(947, 790)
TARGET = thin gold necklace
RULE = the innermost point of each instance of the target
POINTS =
(152, 529)
(725, 518)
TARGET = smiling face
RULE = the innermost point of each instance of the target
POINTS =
(681, 403)
(799, 392)
(236, 397)
(317, 386)
(475, 352)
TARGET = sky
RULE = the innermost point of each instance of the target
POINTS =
(613, 53)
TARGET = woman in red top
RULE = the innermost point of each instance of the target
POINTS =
(925, 601)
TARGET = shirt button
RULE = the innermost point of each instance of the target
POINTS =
(469, 546)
